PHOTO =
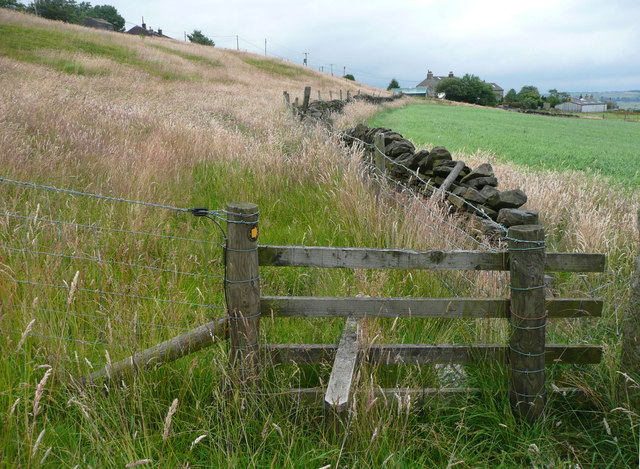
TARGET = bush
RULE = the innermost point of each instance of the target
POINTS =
(197, 37)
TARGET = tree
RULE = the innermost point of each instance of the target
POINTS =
(556, 97)
(107, 13)
(530, 97)
(200, 38)
(349, 76)
(511, 96)
(12, 5)
(468, 89)
(393, 84)
(60, 10)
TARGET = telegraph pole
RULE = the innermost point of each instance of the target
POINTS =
(331, 65)
(237, 42)
(344, 71)
(265, 46)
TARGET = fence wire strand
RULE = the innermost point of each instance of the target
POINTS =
(104, 261)
(123, 295)
(114, 230)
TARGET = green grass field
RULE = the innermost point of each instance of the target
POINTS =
(609, 148)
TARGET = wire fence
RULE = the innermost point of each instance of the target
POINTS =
(84, 316)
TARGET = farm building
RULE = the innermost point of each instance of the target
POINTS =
(97, 23)
(431, 82)
(582, 105)
(411, 91)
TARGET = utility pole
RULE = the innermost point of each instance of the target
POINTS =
(344, 71)
(185, 36)
(331, 65)
(304, 61)
(237, 42)
(265, 46)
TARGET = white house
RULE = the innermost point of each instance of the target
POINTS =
(582, 105)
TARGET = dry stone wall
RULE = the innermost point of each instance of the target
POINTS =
(429, 172)
(472, 190)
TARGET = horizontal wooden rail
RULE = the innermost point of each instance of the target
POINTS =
(283, 306)
(369, 258)
(416, 396)
(422, 354)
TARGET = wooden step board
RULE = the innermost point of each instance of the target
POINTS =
(341, 380)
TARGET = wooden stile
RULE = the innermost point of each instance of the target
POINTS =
(243, 289)
(528, 320)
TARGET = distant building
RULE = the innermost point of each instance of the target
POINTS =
(143, 31)
(432, 81)
(582, 105)
(97, 23)
(498, 90)
(411, 91)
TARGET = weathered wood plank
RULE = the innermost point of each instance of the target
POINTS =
(163, 353)
(282, 306)
(422, 354)
(365, 258)
(574, 262)
(344, 365)
(370, 258)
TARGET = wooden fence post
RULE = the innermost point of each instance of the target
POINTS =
(348, 95)
(378, 152)
(631, 335)
(528, 319)
(330, 95)
(287, 100)
(306, 99)
(319, 97)
(340, 95)
(243, 290)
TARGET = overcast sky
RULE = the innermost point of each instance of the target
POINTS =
(571, 45)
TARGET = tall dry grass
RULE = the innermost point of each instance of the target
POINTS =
(207, 132)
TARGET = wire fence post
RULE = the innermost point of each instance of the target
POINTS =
(631, 337)
(528, 319)
(243, 290)
(378, 152)
(306, 99)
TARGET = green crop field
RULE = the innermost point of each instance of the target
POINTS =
(609, 148)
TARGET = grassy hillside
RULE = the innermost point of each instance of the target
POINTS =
(85, 281)
(608, 148)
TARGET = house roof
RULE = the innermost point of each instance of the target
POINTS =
(99, 22)
(139, 30)
(496, 87)
(586, 101)
(426, 81)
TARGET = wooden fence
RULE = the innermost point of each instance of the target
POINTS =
(527, 310)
